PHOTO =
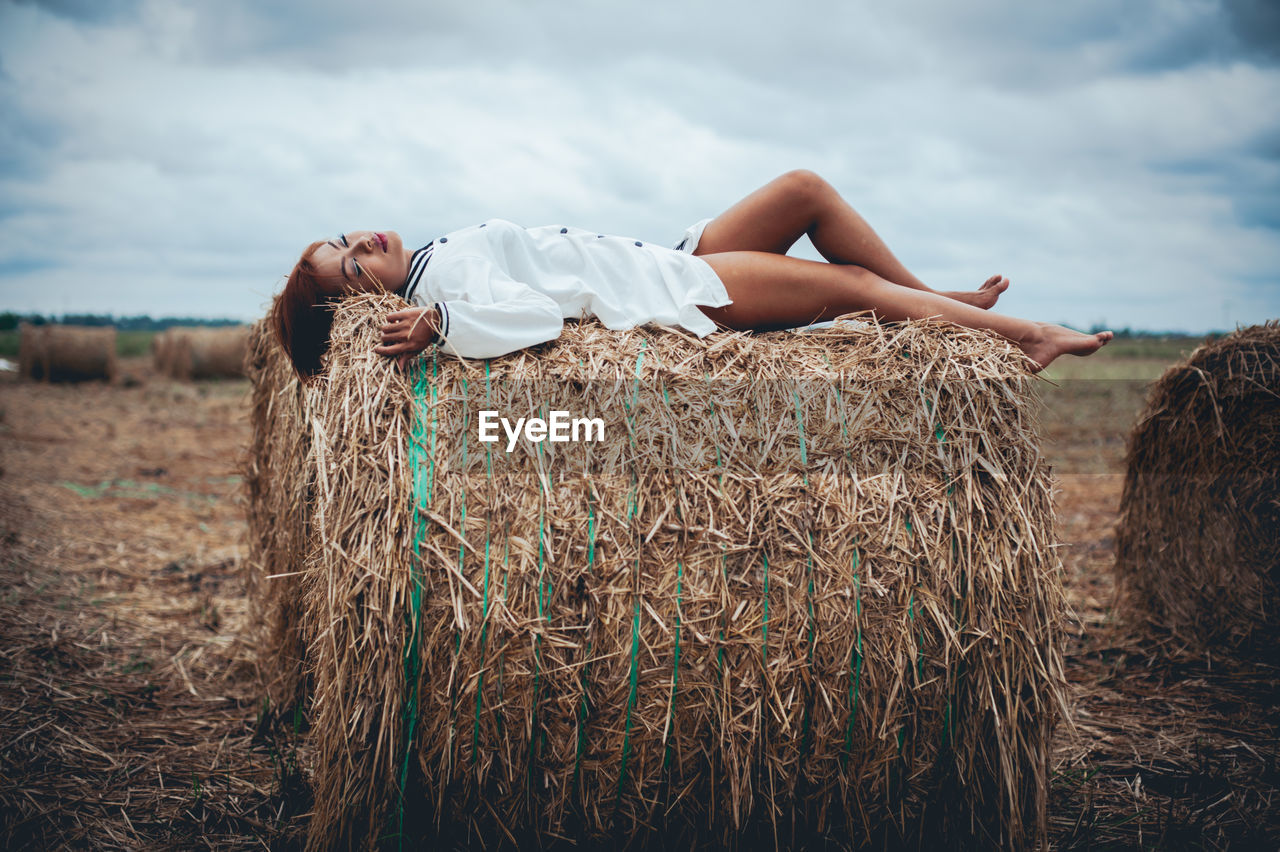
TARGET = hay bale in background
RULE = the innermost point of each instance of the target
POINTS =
(275, 480)
(1198, 539)
(67, 353)
(30, 351)
(767, 609)
(162, 351)
(206, 353)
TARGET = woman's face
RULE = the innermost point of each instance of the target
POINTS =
(362, 262)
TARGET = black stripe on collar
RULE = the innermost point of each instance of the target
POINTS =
(417, 264)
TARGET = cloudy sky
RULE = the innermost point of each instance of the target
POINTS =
(1120, 162)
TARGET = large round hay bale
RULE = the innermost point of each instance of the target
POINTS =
(67, 353)
(162, 351)
(208, 353)
(804, 593)
(274, 474)
(31, 347)
(1198, 540)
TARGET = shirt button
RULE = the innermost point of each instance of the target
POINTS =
(482, 224)
(564, 230)
(639, 243)
(446, 239)
(599, 236)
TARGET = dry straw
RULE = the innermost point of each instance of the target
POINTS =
(1198, 541)
(804, 592)
(190, 354)
(66, 353)
(275, 479)
(162, 350)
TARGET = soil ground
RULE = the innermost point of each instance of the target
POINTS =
(130, 715)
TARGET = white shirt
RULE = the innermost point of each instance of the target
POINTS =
(500, 287)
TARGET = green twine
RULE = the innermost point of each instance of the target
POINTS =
(544, 593)
(502, 658)
(462, 552)
(484, 603)
(724, 556)
(631, 696)
(488, 395)
(675, 668)
(711, 417)
(812, 630)
(855, 660)
(953, 711)
(812, 627)
(949, 711)
(911, 613)
(484, 631)
(675, 664)
(844, 427)
(584, 706)
(724, 576)
(804, 455)
(537, 653)
(635, 396)
(632, 507)
(813, 619)
(423, 486)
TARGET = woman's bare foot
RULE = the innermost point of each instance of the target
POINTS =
(985, 296)
(1054, 340)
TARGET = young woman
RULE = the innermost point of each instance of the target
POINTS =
(496, 287)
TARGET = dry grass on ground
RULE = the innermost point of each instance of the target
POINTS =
(128, 710)
(130, 718)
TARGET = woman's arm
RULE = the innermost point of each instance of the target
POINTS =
(480, 312)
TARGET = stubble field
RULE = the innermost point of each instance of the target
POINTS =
(130, 716)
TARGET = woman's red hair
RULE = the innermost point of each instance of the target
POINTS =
(303, 316)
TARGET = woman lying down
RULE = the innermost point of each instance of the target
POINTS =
(497, 287)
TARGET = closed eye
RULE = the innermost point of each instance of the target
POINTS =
(343, 237)
(359, 271)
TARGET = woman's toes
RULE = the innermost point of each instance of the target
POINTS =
(991, 291)
(1086, 344)
(1049, 341)
(985, 296)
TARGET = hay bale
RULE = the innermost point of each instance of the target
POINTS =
(162, 351)
(275, 480)
(805, 593)
(207, 353)
(31, 352)
(66, 353)
(1198, 539)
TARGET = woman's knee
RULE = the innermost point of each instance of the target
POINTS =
(806, 184)
(807, 188)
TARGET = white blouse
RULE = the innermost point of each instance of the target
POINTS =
(500, 287)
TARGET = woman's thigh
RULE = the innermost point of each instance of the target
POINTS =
(770, 219)
(775, 291)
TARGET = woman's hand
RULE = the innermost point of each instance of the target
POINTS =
(406, 333)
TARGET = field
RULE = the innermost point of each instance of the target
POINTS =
(129, 344)
(130, 718)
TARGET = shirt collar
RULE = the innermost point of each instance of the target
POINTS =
(417, 264)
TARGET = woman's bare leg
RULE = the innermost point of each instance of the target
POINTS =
(800, 202)
(772, 291)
